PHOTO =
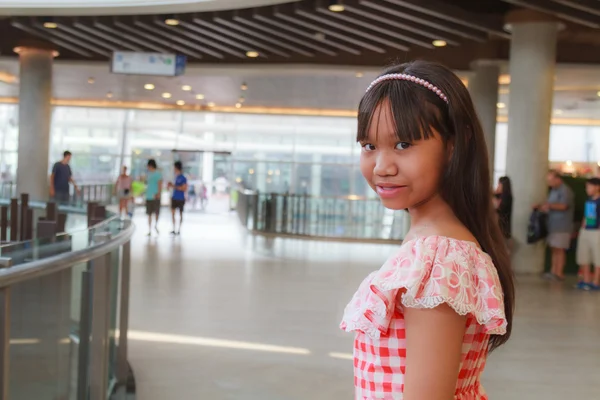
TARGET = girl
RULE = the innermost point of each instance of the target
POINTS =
(426, 320)
(123, 191)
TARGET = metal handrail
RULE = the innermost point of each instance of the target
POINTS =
(302, 215)
(351, 197)
(53, 264)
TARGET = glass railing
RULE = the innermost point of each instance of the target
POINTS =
(64, 313)
(349, 217)
(98, 192)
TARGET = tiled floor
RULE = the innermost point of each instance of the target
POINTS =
(217, 314)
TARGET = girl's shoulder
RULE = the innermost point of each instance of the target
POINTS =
(425, 272)
(441, 248)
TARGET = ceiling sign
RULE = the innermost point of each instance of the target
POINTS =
(129, 62)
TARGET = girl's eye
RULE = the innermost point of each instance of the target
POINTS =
(402, 146)
(368, 147)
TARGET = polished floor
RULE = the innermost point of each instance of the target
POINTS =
(218, 314)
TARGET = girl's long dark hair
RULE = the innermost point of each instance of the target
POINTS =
(466, 185)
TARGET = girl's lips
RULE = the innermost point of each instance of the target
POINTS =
(388, 191)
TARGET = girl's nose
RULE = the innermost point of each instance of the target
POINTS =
(385, 164)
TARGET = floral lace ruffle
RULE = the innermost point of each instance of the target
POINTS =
(427, 272)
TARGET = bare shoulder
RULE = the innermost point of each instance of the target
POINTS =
(455, 231)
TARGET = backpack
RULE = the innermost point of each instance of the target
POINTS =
(537, 229)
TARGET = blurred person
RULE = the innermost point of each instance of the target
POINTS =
(192, 195)
(504, 204)
(178, 197)
(588, 247)
(425, 322)
(123, 191)
(203, 196)
(560, 209)
(60, 179)
(154, 182)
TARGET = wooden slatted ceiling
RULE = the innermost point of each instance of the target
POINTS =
(304, 31)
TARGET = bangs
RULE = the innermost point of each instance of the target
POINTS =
(413, 113)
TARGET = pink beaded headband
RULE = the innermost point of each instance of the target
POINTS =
(406, 77)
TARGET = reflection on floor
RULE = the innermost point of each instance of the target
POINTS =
(217, 314)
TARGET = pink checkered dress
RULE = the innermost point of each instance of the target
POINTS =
(425, 273)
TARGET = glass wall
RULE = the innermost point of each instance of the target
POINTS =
(271, 153)
(570, 145)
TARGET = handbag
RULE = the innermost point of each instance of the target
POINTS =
(537, 229)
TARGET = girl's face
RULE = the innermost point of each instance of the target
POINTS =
(404, 175)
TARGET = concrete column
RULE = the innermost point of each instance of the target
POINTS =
(35, 94)
(532, 64)
(484, 91)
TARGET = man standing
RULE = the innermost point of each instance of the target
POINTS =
(60, 178)
(560, 208)
(153, 191)
(178, 198)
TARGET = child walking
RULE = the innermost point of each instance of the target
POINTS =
(588, 247)
(426, 320)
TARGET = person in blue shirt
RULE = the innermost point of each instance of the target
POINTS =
(178, 198)
(588, 247)
(61, 178)
(153, 190)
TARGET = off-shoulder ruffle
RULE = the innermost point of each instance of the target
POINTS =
(427, 272)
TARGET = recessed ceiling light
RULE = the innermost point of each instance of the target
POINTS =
(238, 105)
(211, 104)
(166, 95)
(501, 105)
(320, 36)
(91, 81)
(186, 88)
(109, 95)
(359, 74)
(180, 103)
(504, 79)
(244, 86)
(149, 86)
(252, 54)
(50, 25)
(172, 21)
(21, 50)
(336, 6)
(439, 43)
(199, 97)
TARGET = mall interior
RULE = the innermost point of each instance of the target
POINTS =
(258, 99)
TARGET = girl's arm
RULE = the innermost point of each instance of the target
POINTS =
(434, 339)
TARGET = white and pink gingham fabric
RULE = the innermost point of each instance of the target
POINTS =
(425, 273)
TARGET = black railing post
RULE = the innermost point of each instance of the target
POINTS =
(284, 213)
(24, 206)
